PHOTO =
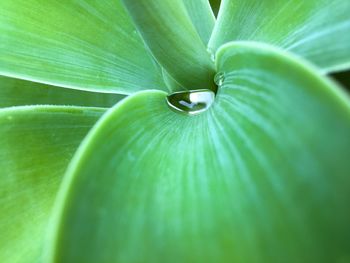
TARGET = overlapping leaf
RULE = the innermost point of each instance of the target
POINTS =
(260, 177)
(318, 30)
(16, 92)
(202, 17)
(167, 29)
(90, 45)
(37, 143)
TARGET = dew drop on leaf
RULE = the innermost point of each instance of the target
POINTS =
(219, 79)
(191, 102)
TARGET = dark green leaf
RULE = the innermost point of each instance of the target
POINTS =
(36, 146)
(169, 33)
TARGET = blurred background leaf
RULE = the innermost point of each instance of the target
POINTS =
(215, 5)
(343, 78)
(17, 92)
(37, 143)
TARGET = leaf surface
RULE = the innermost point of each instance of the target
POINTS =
(202, 17)
(89, 45)
(262, 176)
(168, 31)
(17, 92)
(37, 144)
(318, 30)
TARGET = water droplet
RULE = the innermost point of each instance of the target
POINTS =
(191, 102)
(219, 79)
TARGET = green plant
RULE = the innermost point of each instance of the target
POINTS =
(262, 175)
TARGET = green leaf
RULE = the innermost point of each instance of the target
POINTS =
(171, 83)
(36, 146)
(262, 176)
(169, 33)
(202, 17)
(318, 30)
(16, 92)
(88, 45)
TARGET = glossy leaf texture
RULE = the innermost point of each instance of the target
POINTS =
(17, 92)
(37, 144)
(168, 31)
(318, 30)
(88, 45)
(262, 176)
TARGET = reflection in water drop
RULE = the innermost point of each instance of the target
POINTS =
(219, 79)
(191, 102)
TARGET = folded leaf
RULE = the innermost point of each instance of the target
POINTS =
(36, 146)
(169, 33)
(171, 83)
(16, 92)
(89, 45)
(262, 176)
(202, 17)
(318, 30)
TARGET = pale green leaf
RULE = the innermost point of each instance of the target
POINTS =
(16, 92)
(89, 45)
(36, 146)
(202, 17)
(171, 83)
(169, 33)
(318, 30)
(262, 176)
